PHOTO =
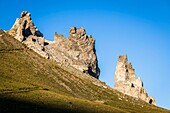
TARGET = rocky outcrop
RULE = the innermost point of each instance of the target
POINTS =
(25, 31)
(126, 82)
(78, 50)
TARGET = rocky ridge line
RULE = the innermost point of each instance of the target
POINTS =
(126, 82)
(78, 50)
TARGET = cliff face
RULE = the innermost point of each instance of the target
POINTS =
(78, 50)
(126, 82)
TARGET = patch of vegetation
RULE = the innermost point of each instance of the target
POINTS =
(47, 101)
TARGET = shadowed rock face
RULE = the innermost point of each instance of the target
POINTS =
(78, 50)
(126, 82)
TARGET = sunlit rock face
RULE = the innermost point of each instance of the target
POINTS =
(78, 50)
(126, 82)
(26, 32)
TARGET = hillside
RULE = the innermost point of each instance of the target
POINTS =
(31, 83)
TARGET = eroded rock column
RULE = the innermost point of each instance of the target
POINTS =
(126, 82)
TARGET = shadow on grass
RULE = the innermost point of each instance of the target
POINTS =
(11, 105)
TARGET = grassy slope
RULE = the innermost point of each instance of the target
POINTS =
(30, 83)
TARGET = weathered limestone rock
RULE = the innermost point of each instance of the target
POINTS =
(26, 32)
(126, 82)
(77, 51)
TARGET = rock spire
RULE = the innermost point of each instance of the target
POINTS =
(126, 82)
(26, 32)
(78, 50)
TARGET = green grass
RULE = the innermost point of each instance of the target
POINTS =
(30, 83)
(53, 102)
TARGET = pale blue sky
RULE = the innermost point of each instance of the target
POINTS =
(138, 28)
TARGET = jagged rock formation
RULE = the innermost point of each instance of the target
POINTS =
(25, 31)
(77, 51)
(126, 82)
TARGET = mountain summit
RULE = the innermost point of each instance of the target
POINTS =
(77, 51)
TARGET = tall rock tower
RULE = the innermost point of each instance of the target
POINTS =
(126, 82)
